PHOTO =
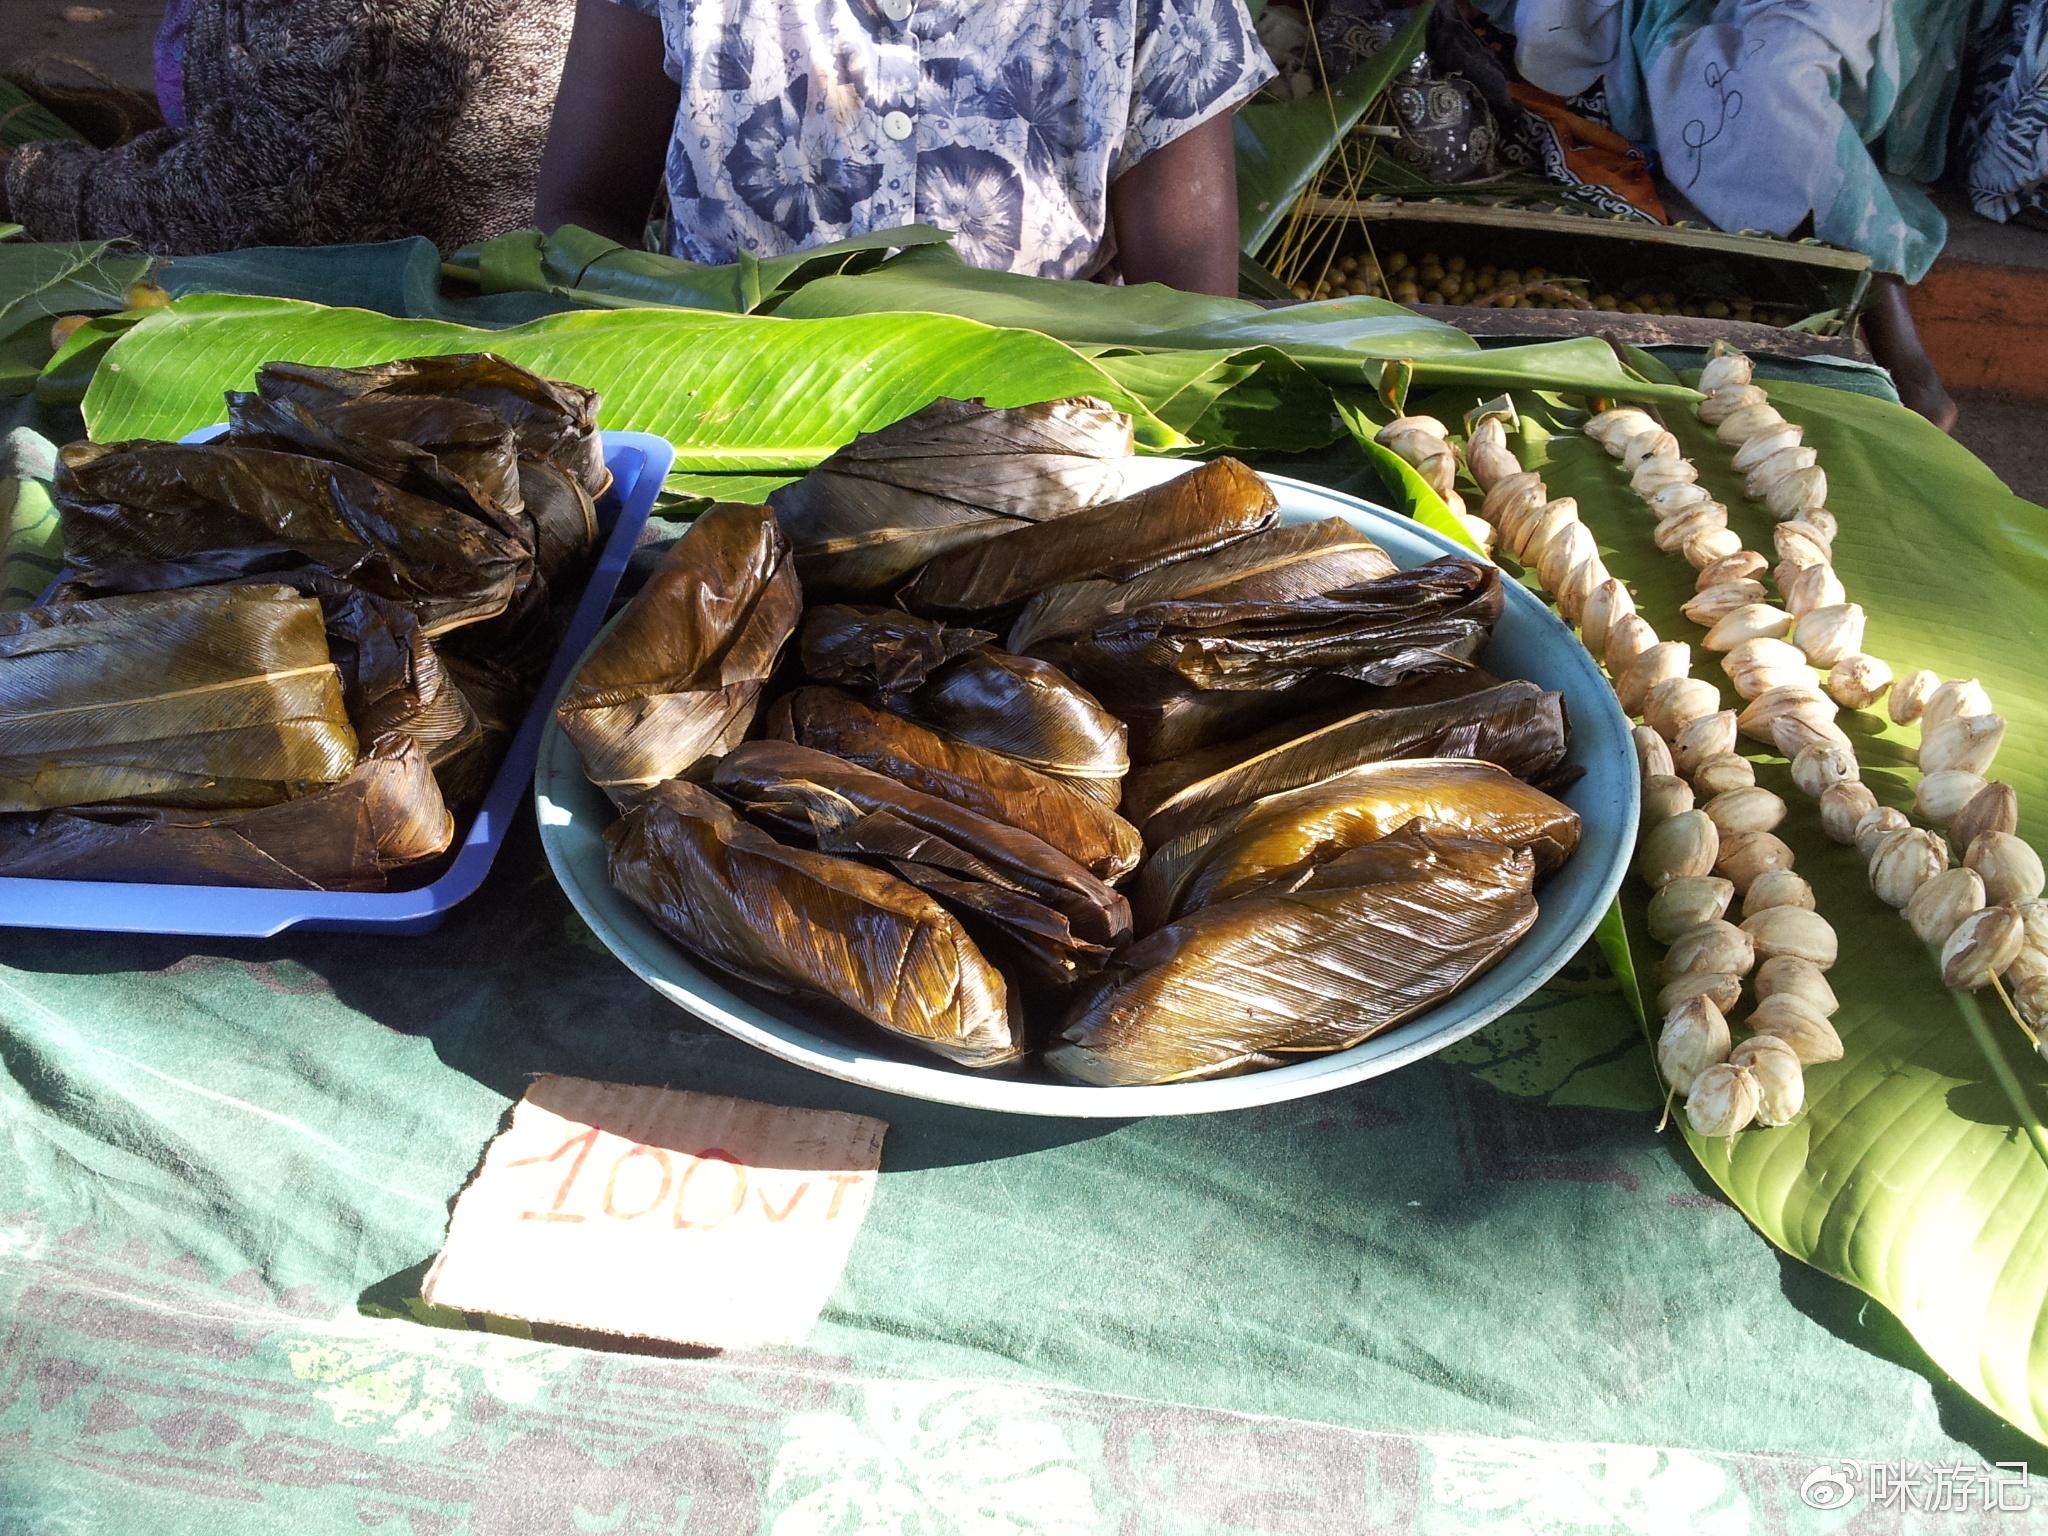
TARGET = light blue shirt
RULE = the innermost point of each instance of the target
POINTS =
(1003, 121)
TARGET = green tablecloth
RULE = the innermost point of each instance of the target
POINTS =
(1480, 1295)
(1477, 1295)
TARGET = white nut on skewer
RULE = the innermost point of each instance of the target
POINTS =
(1827, 635)
(1743, 565)
(1677, 702)
(1709, 604)
(1752, 621)
(1726, 369)
(1811, 587)
(1612, 429)
(1954, 701)
(1859, 681)
(1715, 544)
(1766, 445)
(1766, 473)
(1701, 741)
(1757, 666)
(1910, 694)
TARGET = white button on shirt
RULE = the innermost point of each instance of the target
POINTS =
(1001, 121)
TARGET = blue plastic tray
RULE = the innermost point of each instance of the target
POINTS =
(639, 462)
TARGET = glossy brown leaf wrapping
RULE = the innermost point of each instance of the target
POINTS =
(947, 476)
(552, 419)
(1517, 726)
(678, 675)
(448, 450)
(1084, 829)
(883, 650)
(1361, 943)
(1301, 828)
(1435, 617)
(811, 922)
(1029, 710)
(814, 796)
(1202, 510)
(216, 512)
(1281, 564)
(564, 520)
(385, 817)
(211, 696)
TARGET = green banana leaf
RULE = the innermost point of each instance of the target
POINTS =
(1258, 400)
(41, 282)
(1919, 1172)
(1342, 340)
(589, 268)
(734, 393)
(1283, 145)
(1410, 492)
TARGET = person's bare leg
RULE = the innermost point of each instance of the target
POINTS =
(1888, 325)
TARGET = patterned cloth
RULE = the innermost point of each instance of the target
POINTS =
(2005, 132)
(1003, 121)
(1767, 115)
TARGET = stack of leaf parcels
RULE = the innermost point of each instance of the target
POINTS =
(290, 656)
(913, 801)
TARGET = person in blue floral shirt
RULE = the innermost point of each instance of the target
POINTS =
(1052, 137)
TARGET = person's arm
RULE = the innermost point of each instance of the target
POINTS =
(1174, 213)
(616, 108)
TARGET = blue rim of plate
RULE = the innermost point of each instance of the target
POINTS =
(572, 814)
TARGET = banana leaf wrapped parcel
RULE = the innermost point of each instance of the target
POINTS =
(1435, 617)
(1316, 822)
(210, 696)
(1029, 710)
(1517, 726)
(1278, 565)
(1080, 826)
(147, 514)
(444, 449)
(878, 650)
(945, 477)
(811, 923)
(1062, 916)
(680, 672)
(551, 419)
(384, 817)
(1335, 955)
(1203, 510)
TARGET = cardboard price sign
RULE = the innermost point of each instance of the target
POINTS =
(658, 1213)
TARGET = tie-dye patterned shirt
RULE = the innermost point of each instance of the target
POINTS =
(1003, 121)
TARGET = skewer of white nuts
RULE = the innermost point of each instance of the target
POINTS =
(1963, 907)
(1705, 844)
(1425, 443)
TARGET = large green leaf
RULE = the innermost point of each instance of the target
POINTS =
(574, 263)
(1255, 400)
(1282, 145)
(39, 283)
(1919, 1173)
(1342, 340)
(733, 392)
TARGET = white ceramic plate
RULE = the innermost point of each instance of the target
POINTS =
(1530, 642)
